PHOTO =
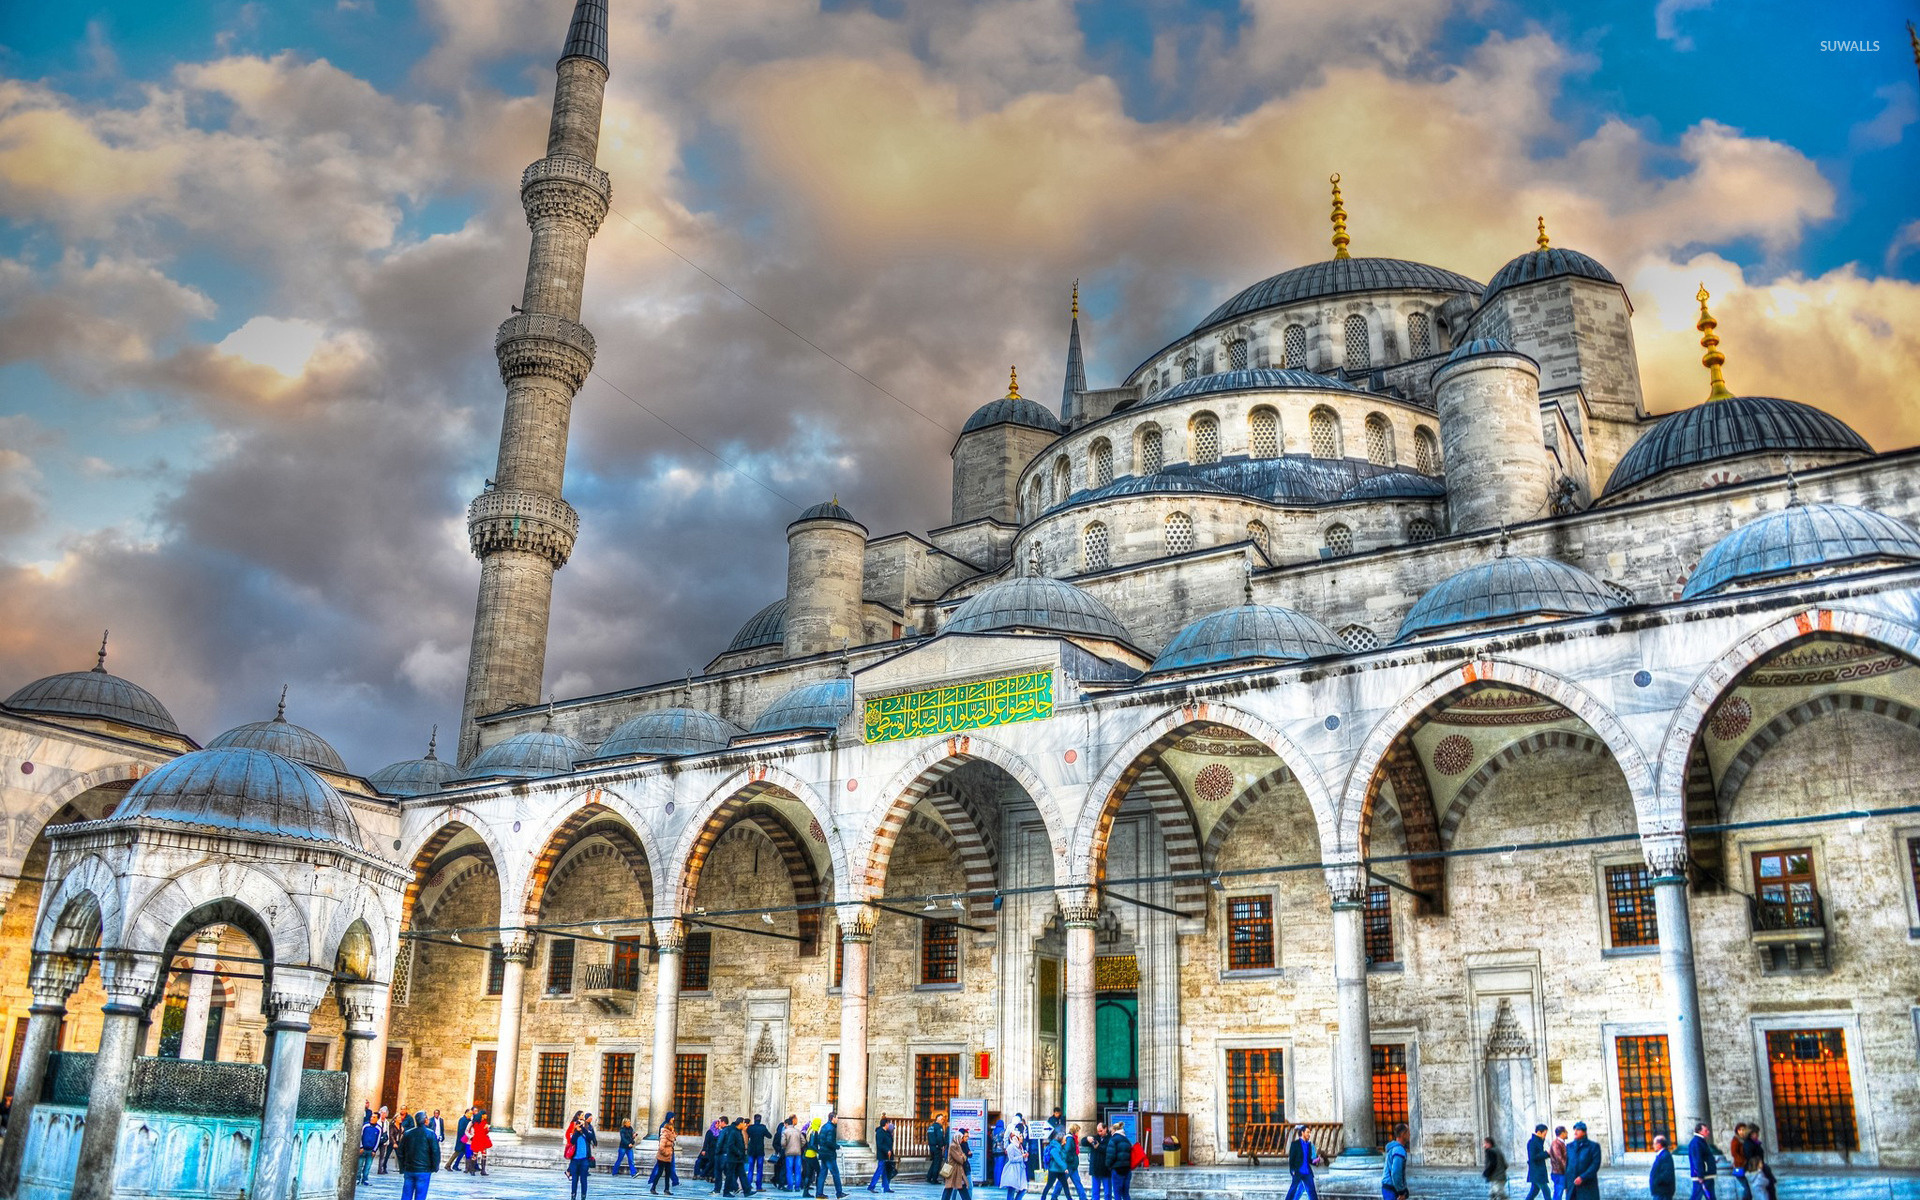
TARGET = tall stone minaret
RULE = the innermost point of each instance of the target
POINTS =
(520, 528)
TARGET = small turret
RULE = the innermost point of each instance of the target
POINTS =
(826, 572)
(1497, 469)
(995, 446)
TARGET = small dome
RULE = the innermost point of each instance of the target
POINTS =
(1550, 263)
(1339, 277)
(1799, 538)
(534, 754)
(810, 706)
(1507, 589)
(829, 511)
(768, 627)
(1036, 602)
(415, 776)
(1012, 410)
(281, 736)
(1255, 379)
(1249, 633)
(94, 694)
(670, 731)
(1732, 428)
(241, 788)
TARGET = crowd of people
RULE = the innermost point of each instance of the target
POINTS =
(415, 1140)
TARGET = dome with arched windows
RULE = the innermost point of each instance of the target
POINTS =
(1255, 379)
(810, 706)
(245, 790)
(1510, 590)
(1038, 603)
(1733, 427)
(534, 754)
(1339, 277)
(94, 694)
(1248, 634)
(669, 732)
(1798, 539)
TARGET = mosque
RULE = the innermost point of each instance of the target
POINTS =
(1362, 712)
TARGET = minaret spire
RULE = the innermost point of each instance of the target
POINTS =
(1076, 366)
(521, 529)
(1340, 239)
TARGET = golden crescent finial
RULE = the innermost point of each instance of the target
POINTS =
(1712, 360)
(1013, 383)
(1340, 238)
(1076, 299)
(1541, 241)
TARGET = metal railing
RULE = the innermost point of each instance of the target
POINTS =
(1771, 916)
(610, 977)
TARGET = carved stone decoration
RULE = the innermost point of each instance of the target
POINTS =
(1347, 883)
(1667, 855)
(1506, 1039)
(1510, 1082)
(763, 1052)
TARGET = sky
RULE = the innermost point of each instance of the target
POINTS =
(252, 256)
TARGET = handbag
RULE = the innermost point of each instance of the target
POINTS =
(946, 1174)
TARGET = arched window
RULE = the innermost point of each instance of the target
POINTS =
(1339, 540)
(1036, 497)
(1034, 562)
(1237, 355)
(1205, 429)
(1062, 479)
(1101, 463)
(1419, 335)
(1179, 533)
(1379, 441)
(1206, 364)
(1359, 637)
(1153, 385)
(1151, 457)
(1420, 530)
(1426, 451)
(1261, 536)
(1093, 540)
(1188, 366)
(1263, 433)
(1359, 353)
(1323, 433)
(1296, 347)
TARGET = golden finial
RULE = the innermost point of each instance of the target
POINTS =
(1340, 238)
(1712, 360)
(1013, 383)
(1541, 241)
(1076, 299)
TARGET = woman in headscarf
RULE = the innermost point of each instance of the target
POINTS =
(1013, 1176)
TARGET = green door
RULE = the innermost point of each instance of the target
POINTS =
(1116, 1041)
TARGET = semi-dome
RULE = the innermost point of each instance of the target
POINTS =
(97, 694)
(1036, 602)
(1801, 537)
(669, 731)
(1248, 634)
(1396, 485)
(768, 627)
(1339, 277)
(1549, 263)
(242, 789)
(1731, 428)
(1012, 410)
(828, 511)
(534, 754)
(281, 736)
(1508, 589)
(415, 776)
(810, 706)
(1158, 484)
(1255, 379)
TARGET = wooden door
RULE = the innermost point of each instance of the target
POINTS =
(483, 1079)
(13, 1055)
(316, 1057)
(390, 1079)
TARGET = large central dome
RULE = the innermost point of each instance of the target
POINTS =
(1339, 277)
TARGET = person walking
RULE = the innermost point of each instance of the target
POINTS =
(1538, 1187)
(882, 1156)
(757, 1137)
(936, 1148)
(626, 1149)
(460, 1146)
(707, 1166)
(579, 1152)
(956, 1173)
(369, 1143)
(1759, 1174)
(826, 1144)
(1302, 1157)
(1495, 1172)
(663, 1159)
(733, 1159)
(1660, 1175)
(793, 1149)
(1737, 1156)
(419, 1158)
(479, 1141)
(1119, 1150)
(438, 1126)
(1557, 1161)
(1072, 1141)
(1583, 1165)
(1013, 1173)
(1393, 1174)
(810, 1157)
(1097, 1169)
(1053, 1158)
(1700, 1164)
(389, 1136)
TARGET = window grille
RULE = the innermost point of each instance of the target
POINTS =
(1151, 457)
(1187, 368)
(1646, 1090)
(1256, 1091)
(1339, 540)
(690, 1091)
(939, 952)
(1261, 536)
(1812, 1090)
(833, 1079)
(1179, 533)
(1630, 917)
(1206, 364)
(1619, 591)
(402, 986)
(1249, 933)
(1426, 452)
(559, 966)
(1379, 441)
(1421, 530)
(496, 970)
(1380, 927)
(1047, 984)
(1295, 347)
(936, 1081)
(1390, 1099)
(1237, 355)
(1323, 433)
(616, 1089)
(839, 959)
(1359, 354)
(1359, 637)
(1419, 335)
(1062, 479)
(1102, 471)
(696, 963)
(1098, 555)
(1263, 433)
(1206, 438)
(550, 1091)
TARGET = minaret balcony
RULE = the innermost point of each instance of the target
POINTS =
(563, 185)
(543, 344)
(508, 520)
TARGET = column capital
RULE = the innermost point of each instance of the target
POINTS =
(669, 935)
(131, 980)
(516, 946)
(1667, 855)
(1347, 884)
(295, 993)
(1080, 908)
(856, 922)
(54, 977)
(360, 1006)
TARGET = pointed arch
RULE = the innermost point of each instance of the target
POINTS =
(604, 811)
(429, 841)
(1803, 713)
(87, 904)
(719, 810)
(1482, 779)
(34, 821)
(228, 892)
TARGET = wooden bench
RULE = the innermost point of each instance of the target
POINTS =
(1270, 1140)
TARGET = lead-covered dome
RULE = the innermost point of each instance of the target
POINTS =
(1550, 263)
(246, 790)
(534, 754)
(1510, 589)
(1731, 428)
(415, 776)
(95, 694)
(820, 705)
(1251, 633)
(1256, 379)
(281, 736)
(829, 510)
(768, 627)
(1339, 277)
(1801, 537)
(1012, 410)
(1036, 602)
(669, 731)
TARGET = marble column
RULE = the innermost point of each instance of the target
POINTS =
(54, 978)
(856, 939)
(362, 1006)
(296, 992)
(193, 1030)
(1080, 915)
(131, 982)
(670, 937)
(1347, 886)
(1667, 861)
(517, 949)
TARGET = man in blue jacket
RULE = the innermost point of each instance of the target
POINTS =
(1393, 1176)
(369, 1142)
(1537, 1163)
(826, 1146)
(1301, 1158)
(1700, 1164)
(1660, 1178)
(1583, 1165)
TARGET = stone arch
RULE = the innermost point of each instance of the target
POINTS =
(1229, 818)
(1480, 780)
(1375, 751)
(429, 842)
(363, 907)
(607, 813)
(1086, 857)
(1807, 711)
(231, 893)
(86, 905)
(719, 810)
(1720, 676)
(479, 864)
(28, 826)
